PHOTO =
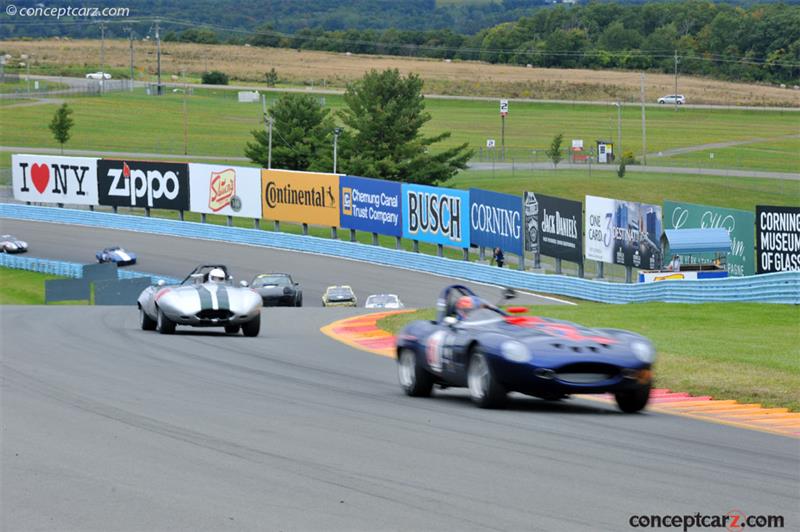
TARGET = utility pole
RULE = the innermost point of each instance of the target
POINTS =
(102, 54)
(676, 80)
(619, 129)
(130, 44)
(268, 125)
(185, 118)
(336, 132)
(158, 53)
(644, 125)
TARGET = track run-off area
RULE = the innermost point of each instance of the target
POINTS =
(108, 427)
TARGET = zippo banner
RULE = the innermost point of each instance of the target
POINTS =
(436, 215)
(623, 232)
(371, 205)
(226, 190)
(302, 197)
(778, 238)
(143, 184)
(495, 220)
(739, 225)
(51, 179)
(554, 226)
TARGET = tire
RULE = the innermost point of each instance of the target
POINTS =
(146, 322)
(632, 401)
(661, 102)
(484, 389)
(232, 329)
(299, 301)
(164, 325)
(414, 379)
(252, 327)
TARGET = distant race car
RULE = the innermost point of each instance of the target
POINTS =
(383, 301)
(278, 290)
(206, 298)
(680, 99)
(339, 296)
(12, 244)
(117, 255)
(98, 75)
(476, 345)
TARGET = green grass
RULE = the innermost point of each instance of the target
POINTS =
(21, 86)
(22, 287)
(744, 351)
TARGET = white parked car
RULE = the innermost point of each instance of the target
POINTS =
(98, 75)
(673, 98)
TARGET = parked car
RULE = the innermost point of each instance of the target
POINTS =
(117, 255)
(672, 98)
(339, 296)
(390, 301)
(12, 244)
(278, 290)
(98, 75)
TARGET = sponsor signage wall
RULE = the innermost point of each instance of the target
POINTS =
(778, 238)
(226, 190)
(436, 215)
(51, 179)
(553, 226)
(623, 232)
(143, 184)
(302, 197)
(738, 223)
(371, 205)
(495, 220)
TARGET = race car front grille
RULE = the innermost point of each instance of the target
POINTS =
(214, 314)
(587, 372)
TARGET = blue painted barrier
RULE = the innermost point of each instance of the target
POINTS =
(781, 287)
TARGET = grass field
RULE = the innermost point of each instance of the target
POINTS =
(744, 351)
(22, 86)
(21, 287)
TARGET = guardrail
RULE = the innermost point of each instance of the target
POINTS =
(768, 288)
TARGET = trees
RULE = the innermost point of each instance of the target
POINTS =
(214, 78)
(385, 112)
(554, 151)
(61, 125)
(302, 135)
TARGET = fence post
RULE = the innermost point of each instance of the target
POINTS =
(439, 250)
(416, 246)
(202, 217)
(599, 270)
(230, 220)
(374, 239)
(581, 273)
(482, 253)
(558, 266)
(180, 215)
(397, 244)
(147, 211)
(256, 223)
(277, 225)
(352, 235)
(305, 229)
(628, 273)
(334, 233)
(521, 264)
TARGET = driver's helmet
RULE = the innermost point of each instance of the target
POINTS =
(465, 305)
(217, 275)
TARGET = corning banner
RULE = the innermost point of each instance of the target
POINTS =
(226, 190)
(436, 215)
(777, 238)
(495, 220)
(554, 226)
(738, 223)
(371, 205)
(51, 179)
(143, 184)
(302, 197)
(623, 232)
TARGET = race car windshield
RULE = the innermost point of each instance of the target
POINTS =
(340, 293)
(483, 314)
(382, 300)
(272, 280)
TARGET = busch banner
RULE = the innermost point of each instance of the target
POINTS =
(143, 184)
(778, 238)
(302, 197)
(495, 220)
(553, 227)
(50, 179)
(436, 215)
(226, 190)
(623, 232)
(371, 205)
(739, 225)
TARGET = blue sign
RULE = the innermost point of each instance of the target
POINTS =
(370, 205)
(436, 215)
(495, 220)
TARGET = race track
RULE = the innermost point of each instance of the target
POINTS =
(106, 427)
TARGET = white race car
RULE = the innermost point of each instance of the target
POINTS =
(389, 301)
(12, 244)
(98, 75)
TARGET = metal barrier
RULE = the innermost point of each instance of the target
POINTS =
(769, 288)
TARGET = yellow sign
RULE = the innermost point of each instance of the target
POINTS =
(303, 197)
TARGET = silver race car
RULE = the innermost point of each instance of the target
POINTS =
(390, 301)
(11, 244)
(206, 298)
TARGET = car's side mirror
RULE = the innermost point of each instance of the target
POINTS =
(160, 282)
(450, 320)
(297, 284)
(243, 284)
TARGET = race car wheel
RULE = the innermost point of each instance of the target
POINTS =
(631, 401)
(414, 379)
(164, 325)
(147, 323)
(299, 301)
(252, 327)
(232, 329)
(484, 389)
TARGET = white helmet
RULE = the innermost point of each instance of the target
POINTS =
(216, 275)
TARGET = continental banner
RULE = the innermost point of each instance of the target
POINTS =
(437, 215)
(739, 225)
(623, 232)
(225, 190)
(51, 179)
(778, 238)
(371, 205)
(495, 220)
(554, 226)
(302, 197)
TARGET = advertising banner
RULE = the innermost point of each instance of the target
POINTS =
(553, 226)
(738, 223)
(143, 184)
(225, 190)
(436, 215)
(371, 205)
(302, 197)
(495, 220)
(623, 232)
(51, 179)
(778, 238)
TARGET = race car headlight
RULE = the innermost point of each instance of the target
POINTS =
(643, 351)
(515, 351)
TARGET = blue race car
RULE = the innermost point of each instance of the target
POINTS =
(116, 254)
(476, 345)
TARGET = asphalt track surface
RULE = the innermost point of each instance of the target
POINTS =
(107, 427)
